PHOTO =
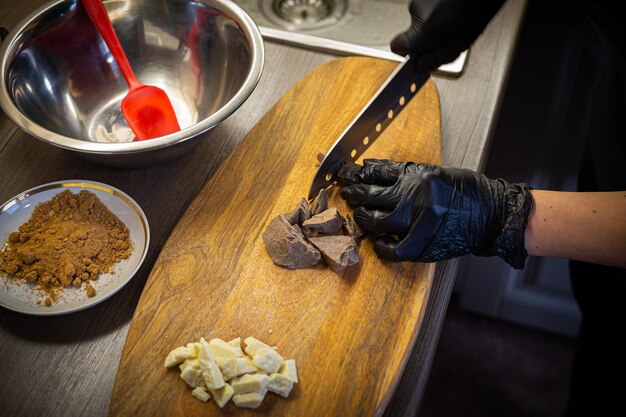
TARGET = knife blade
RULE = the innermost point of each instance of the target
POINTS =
(378, 113)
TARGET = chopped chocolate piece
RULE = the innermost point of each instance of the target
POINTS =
(320, 203)
(300, 214)
(320, 156)
(348, 173)
(351, 228)
(308, 232)
(338, 251)
(292, 217)
(325, 222)
(287, 245)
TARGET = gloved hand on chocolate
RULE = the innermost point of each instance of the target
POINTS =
(442, 29)
(429, 213)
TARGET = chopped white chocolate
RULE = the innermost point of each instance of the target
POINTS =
(249, 399)
(195, 346)
(228, 366)
(249, 383)
(280, 384)
(221, 349)
(179, 355)
(236, 343)
(222, 371)
(210, 370)
(212, 375)
(267, 359)
(188, 362)
(222, 395)
(288, 369)
(201, 394)
(245, 366)
(252, 345)
(192, 373)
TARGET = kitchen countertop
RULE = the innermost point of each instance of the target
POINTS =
(66, 365)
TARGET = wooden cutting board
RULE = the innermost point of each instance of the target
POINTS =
(350, 334)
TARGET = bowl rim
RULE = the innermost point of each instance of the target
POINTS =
(236, 13)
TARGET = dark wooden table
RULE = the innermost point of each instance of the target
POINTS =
(66, 365)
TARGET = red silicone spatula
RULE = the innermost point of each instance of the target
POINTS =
(146, 108)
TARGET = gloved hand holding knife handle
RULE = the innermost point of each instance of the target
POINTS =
(429, 213)
(442, 29)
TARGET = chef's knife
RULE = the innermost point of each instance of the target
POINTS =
(377, 114)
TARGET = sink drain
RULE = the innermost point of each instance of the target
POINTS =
(299, 11)
(304, 14)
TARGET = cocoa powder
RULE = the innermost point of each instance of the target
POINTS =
(68, 240)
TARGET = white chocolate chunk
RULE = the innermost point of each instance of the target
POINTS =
(252, 345)
(195, 346)
(267, 359)
(245, 366)
(179, 355)
(221, 349)
(212, 375)
(228, 366)
(210, 370)
(222, 395)
(192, 373)
(188, 362)
(249, 383)
(288, 369)
(249, 399)
(280, 384)
(201, 394)
(236, 343)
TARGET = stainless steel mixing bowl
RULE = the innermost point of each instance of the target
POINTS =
(61, 85)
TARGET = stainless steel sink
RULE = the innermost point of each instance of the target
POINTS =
(344, 27)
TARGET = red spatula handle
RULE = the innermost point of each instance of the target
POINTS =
(100, 18)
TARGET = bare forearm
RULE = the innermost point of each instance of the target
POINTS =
(583, 226)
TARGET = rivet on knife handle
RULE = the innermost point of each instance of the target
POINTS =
(378, 113)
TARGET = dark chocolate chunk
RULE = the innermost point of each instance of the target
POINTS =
(300, 214)
(338, 251)
(325, 222)
(292, 217)
(308, 232)
(320, 156)
(351, 228)
(288, 246)
(320, 203)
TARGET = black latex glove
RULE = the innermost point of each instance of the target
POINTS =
(442, 29)
(437, 213)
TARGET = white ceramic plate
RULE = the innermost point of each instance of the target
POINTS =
(20, 296)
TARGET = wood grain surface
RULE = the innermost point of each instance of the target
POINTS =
(350, 334)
